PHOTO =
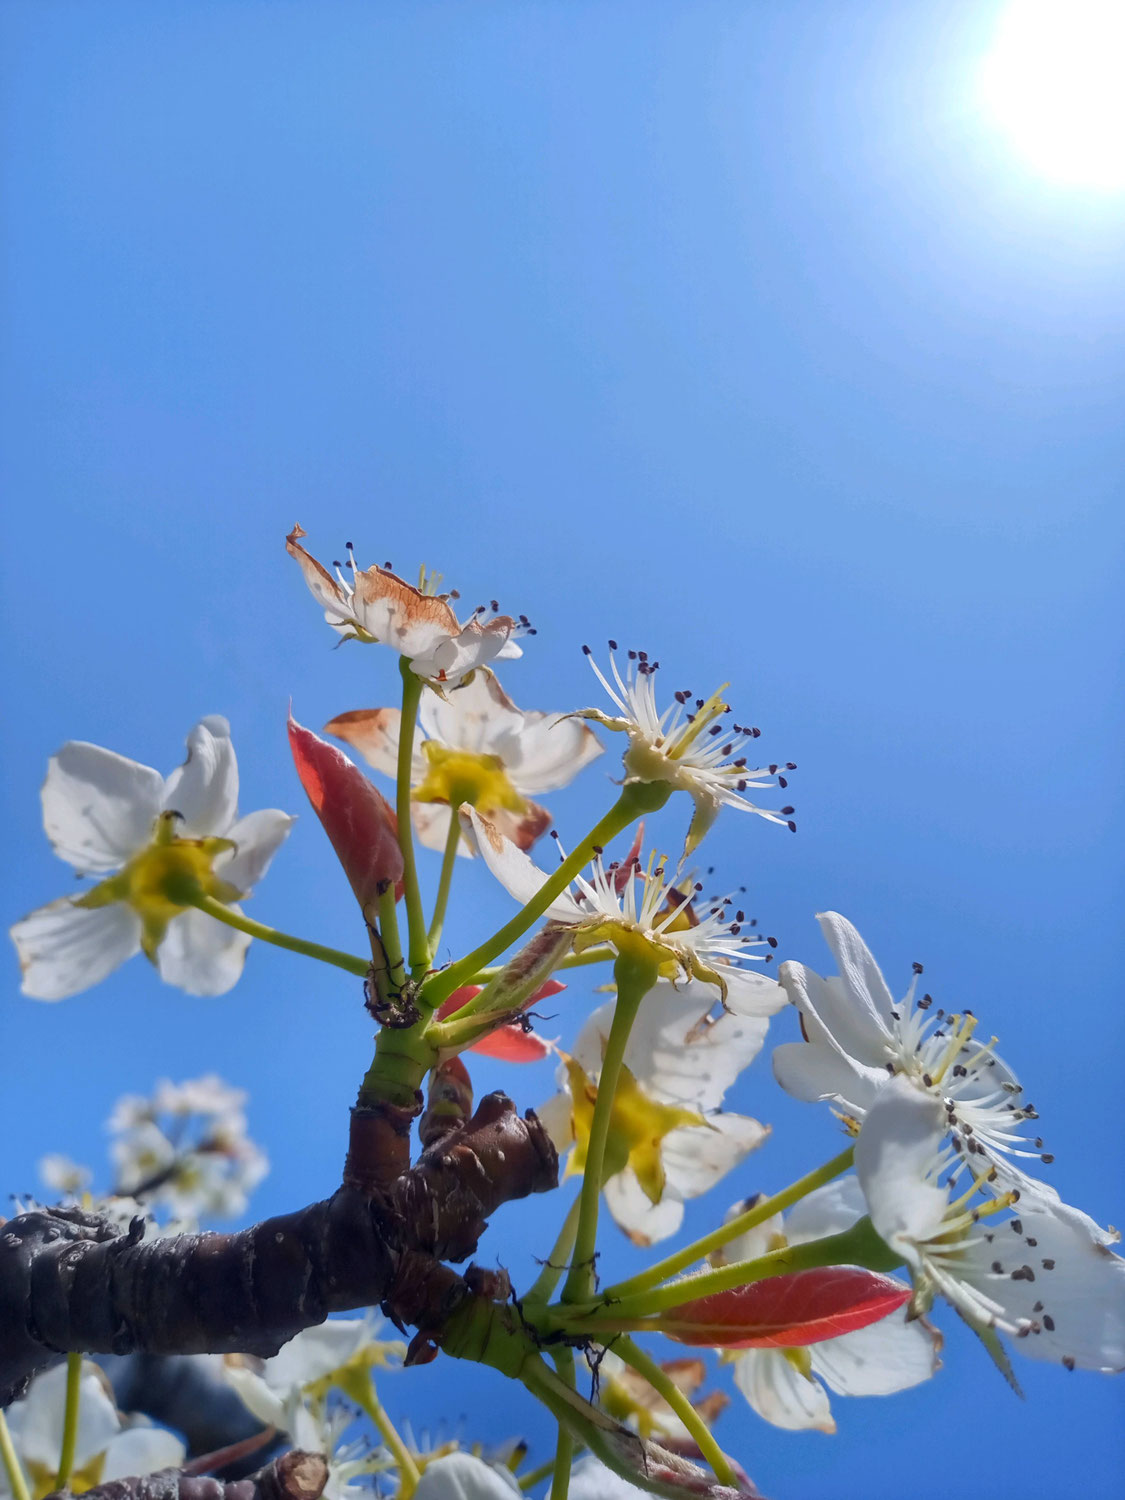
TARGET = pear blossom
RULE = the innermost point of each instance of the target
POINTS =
(155, 842)
(604, 908)
(375, 605)
(1034, 1273)
(187, 1149)
(789, 1387)
(858, 1037)
(290, 1392)
(668, 1139)
(108, 1446)
(475, 746)
(627, 1395)
(63, 1176)
(461, 1476)
(686, 746)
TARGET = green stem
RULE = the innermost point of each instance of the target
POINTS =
(542, 1289)
(415, 919)
(857, 1246)
(764, 1209)
(537, 1476)
(347, 961)
(448, 864)
(17, 1480)
(636, 799)
(599, 955)
(362, 1391)
(564, 1448)
(635, 976)
(70, 1420)
(391, 939)
(675, 1398)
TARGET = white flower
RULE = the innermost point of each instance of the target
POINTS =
(318, 1356)
(376, 605)
(460, 1476)
(668, 1139)
(64, 1176)
(665, 922)
(858, 1038)
(685, 747)
(1038, 1275)
(784, 1385)
(200, 1163)
(166, 837)
(106, 1448)
(475, 746)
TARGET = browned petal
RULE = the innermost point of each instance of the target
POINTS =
(318, 578)
(525, 827)
(409, 607)
(371, 731)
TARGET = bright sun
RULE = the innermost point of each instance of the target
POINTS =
(1055, 83)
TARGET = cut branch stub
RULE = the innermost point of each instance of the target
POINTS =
(294, 1476)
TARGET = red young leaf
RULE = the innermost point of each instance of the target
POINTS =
(783, 1312)
(357, 818)
(509, 1042)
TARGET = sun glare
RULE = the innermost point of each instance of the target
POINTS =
(1055, 84)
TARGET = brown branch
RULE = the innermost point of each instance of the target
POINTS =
(293, 1476)
(69, 1280)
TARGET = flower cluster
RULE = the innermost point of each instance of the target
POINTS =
(822, 1290)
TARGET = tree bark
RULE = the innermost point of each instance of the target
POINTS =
(293, 1476)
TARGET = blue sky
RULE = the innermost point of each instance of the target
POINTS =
(734, 331)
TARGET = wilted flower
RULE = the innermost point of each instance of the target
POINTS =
(1037, 1274)
(668, 1140)
(475, 747)
(170, 839)
(107, 1447)
(373, 605)
(664, 924)
(787, 1385)
(687, 747)
(627, 1395)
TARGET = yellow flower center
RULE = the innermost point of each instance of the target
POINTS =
(163, 880)
(456, 776)
(42, 1478)
(637, 1127)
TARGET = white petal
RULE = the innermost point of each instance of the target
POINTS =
(204, 790)
(677, 1052)
(477, 716)
(448, 660)
(431, 824)
(201, 955)
(460, 1476)
(858, 969)
(591, 1480)
(891, 1355)
(780, 1393)
(838, 1014)
(696, 1157)
(557, 1119)
(752, 994)
(1082, 1294)
(894, 1152)
(258, 836)
(518, 874)
(643, 1221)
(142, 1450)
(827, 1210)
(816, 1070)
(549, 753)
(752, 1242)
(316, 1352)
(98, 807)
(258, 1398)
(65, 948)
(37, 1420)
